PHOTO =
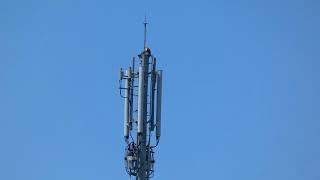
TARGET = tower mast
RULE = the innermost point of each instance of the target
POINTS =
(139, 157)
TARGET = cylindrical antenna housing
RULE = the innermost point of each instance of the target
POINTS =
(127, 104)
(152, 92)
(159, 95)
(131, 94)
(141, 99)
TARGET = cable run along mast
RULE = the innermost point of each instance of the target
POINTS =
(141, 89)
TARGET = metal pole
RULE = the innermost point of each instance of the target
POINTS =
(142, 115)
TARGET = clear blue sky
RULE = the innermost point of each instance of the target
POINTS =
(241, 88)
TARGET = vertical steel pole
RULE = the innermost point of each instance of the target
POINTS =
(142, 115)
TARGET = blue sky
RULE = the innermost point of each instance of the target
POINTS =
(241, 90)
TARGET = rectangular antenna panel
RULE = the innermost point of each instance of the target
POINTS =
(159, 95)
(127, 104)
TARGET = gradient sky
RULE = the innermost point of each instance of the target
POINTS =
(241, 97)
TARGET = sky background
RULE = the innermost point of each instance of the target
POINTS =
(241, 90)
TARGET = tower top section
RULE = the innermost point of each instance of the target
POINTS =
(141, 88)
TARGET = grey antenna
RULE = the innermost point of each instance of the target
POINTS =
(145, 33)
(159, 96)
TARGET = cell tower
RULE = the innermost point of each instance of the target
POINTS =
(142, 93)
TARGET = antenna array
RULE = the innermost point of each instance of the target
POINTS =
(141, 89)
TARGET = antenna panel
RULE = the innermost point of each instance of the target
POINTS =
(159, 95)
